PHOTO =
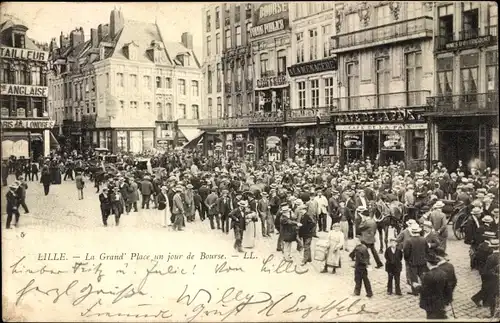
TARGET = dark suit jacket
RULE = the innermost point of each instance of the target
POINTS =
(451, 281)
(237, 219)
(224, 208)
(393, 260)
(433, 290)
(414, 251)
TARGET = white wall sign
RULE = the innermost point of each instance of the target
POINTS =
(396, 126)
(25, 90)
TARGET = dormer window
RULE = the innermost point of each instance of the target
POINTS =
(130, 50)
(19, 41)
(183, 59)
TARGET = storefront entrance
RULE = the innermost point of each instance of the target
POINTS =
(371, 144)
(458, 145)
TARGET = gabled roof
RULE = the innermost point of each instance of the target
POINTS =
(174, 49)
(140, 33)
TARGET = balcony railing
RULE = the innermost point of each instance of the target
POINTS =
(465, 104)
(492, 30)
(442, 40)
(310, 114)
(469, 34)
(387, 33)
(384, 101)
(235, 122)
(267, 117)
(209, 123)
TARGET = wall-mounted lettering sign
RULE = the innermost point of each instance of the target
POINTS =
(470, 43)
(267, 28)
(25, 54)
(24, 90)
(273, 81)
(267, 12)
(28, 124)
(329, 64)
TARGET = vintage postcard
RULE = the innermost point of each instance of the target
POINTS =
(249, 161)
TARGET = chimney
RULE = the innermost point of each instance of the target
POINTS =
(116, 22)
(94, 38)
(187, 40)
(76, 37)
(53, 44)
(102, 31)
(63, 41)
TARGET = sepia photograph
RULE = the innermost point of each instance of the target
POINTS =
(249, 161)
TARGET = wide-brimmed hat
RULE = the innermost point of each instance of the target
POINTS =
(263, 194)
(410, 222)
(488, 235)
(493, 243)
(178, 188)
(243, 203)
(13, 185)
(476, 211)
(189, 186)
(438, 205)
(495, 211)
(415, 228)
(283, 204)
(487, 219)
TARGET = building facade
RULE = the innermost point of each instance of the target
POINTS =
(463, 112)
(126, 89)
(385, 75)
(314, 82)
(25, 124)
(271, 54)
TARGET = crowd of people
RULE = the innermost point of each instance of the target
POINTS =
(295, 201)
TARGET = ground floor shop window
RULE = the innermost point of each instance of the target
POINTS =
(136, 141)
(122, 140)
(148, 140)
(393, 146)
(353, 146)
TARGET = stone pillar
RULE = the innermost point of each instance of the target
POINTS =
(46, 142)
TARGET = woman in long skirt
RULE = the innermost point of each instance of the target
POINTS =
(250, 230)
(335, 245)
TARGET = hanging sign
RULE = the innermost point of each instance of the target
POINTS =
(22, 53)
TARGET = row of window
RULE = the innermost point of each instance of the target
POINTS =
(160, 83)
(22, 107)
(311, 40)
(237, 15)
(314, 97)
(77, 90)
(469, 73)
(470, 21)
(22, 75)
(239, 40)
(311, 8)
(182, 110)
(210, 107)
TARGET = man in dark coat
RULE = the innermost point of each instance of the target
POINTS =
(306, 233)
(238, 224)
(361, 262)
(22, 187)
(105, 202)
(449, 270)
(203, 191)
(224, 207)
(433, 289)
(393, 266)
(46, 179)
(491, 272)
(414, 251)
(367, 230)
(474, 230)
(12, 206)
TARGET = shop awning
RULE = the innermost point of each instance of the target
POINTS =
(302, 124)
(190, 133)
(54, 144)
(191, 144)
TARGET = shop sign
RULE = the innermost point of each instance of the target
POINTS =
(352, 141)
(329, 64)
(273, 81)
(396, 126)
(470, 43)
(25, 90)
(272, 141)
(27, 124)
(22, 53)
(267, 12)
(268, 28)
(393, 141)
